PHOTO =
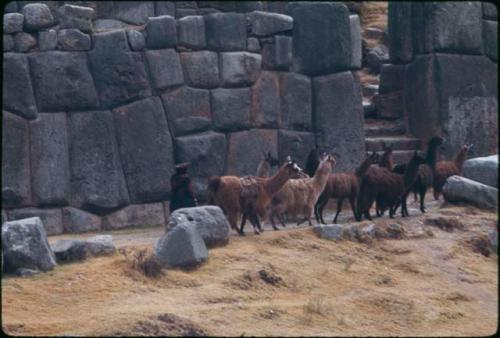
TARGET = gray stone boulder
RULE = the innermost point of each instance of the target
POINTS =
(278, 54)
(165, 68)
(135, 215)
(133, 12)
(220, 38)
(18, 96)
(264, 23)
(239, 68)
(13, 23)
(77, 221)
(73, 39)
(69, 250)
(295, 101)
(490, 39)
(482, 169)
(24, 42)
(109, 24)
(51, 218)
(37, 16)
(23, 272)
(47, 40)
(62, 81)
(400, 32)
(192, 32)
(100, 245)
(146, 150)
(25, 245)
(356, 48)
(296, 144)
(231, 108)
(265, 107)
(181, 247)
(79, 17)
(161, 32)
(209, 222)
(8, 43)
(136, 40)
(50, 173)
(464, 190)
(201, 69)
(188, 110)
(332, 232)
(253, 45)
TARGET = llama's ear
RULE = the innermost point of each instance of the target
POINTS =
(288, 159)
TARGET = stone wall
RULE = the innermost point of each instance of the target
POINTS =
(443, 72)
(102, 99)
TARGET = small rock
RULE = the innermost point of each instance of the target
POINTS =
(13, 23)
(69, 250)
(329, 231)
(24, 42)
(395, 231)
(47, 40)
(37, 16)
(23, 272)
(350, 232)
(78, 17)
(136, 40)
(73, 39)
(100, 245)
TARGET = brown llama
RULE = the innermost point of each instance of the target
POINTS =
(445, 169)
(388, 186)
(342, 186)
(232, 193)
(387, 162)
(265, 165)
(300, 195)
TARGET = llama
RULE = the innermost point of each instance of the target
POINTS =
(387, 162)
(265, 165)
(342, 186)
(312, 162)
(301, 195)
(445, 169)
(388, 186)
(231, 193)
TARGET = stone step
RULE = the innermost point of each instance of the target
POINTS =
(402, 156)
(397, 143)
(383, 128)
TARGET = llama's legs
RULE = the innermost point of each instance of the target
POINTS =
(352, 201)
(422, 199)
(340, 201)
(271, 219)
(436, 193)
(319, 210)
(281, 218)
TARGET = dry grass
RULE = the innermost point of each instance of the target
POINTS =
(144, 261)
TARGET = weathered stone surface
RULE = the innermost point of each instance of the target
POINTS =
(8, 43)
(16, 181)
(69, 250)
(181, 247)
(482, 169)
(400, 32)
(277, 55)
(264, 23)
(277, 7)
(246, 149)
(18, 96)
(164, 8)
(231, 108)
(13, 23)
(201, 69)
(73, 39)
(104, 9)
(23, 272)
(97, 179)
(490, 39)
(295, 101)
(136, 40)
(134, 12)
(265, 107)
(62, 81)
(192, 32)
(356, 48)
(37, 16)
(338, 117)
(220, 38)
(165, 68)
(389, 105)
(135, 215)
(461, 189)
(77, 221)
(239, 68)
(253, 45)
(78, 17)
(24, 42)
(107, 24)
(206, 154)
(376, 58)
(392, 78)
(332, 232)
(100, 245)
(49, 160)
(24, 245)
(209, 221)
(145, 148)
(51, 218)
(161, 32)
(295, 144)
(11, 7)
(321, 37)
(188, 110)
(119, 75)
(489, 10)
(47, 40)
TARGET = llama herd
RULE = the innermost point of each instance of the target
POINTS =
(293, 193)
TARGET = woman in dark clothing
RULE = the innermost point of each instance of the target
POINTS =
(182, 195)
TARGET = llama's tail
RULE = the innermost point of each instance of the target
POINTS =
(213, 186)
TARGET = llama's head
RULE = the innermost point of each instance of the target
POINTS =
(327, 158)
(373, 158)
(273, 162)
(467, 147)
(292, 168)
(387, 160)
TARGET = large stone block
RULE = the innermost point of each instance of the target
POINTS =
(192, 32)
(134, 12)
(165, 68)
(490, 39)
(400, 32)
(135, 215)
(165, 8)
(231, 108)
(51, 218)
(145, 148)
(18, 96)
(239, 68)
(13, 23)
(278, 54)
(37, 16)
(265, 108)
(263, 23)
(62, 81)
(295, 144)
(188, 110)
(356, 48)
(136, 40)
(321, 37)
(73, 39)
(119, 75)
(161, 32)
(246, 149)
(220, 38)
(206, 154)
(16, 179)
(338, 115)
(97, 181)
(47, 40)
(77, 221)
(482, 169)
(463, 190)
(201, 69)
(24, 42)
(78, 17)
(489, 10)
(49, 160)
(295, 101)
(11, 7)
(392, 78)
